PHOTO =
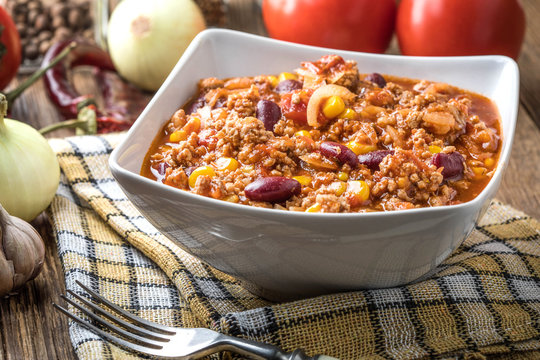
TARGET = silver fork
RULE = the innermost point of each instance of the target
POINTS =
(168, 342)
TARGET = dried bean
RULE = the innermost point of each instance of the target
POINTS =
(44, 46)
(59, 19)
(33, 5)
(74, 18)
(32, 16)
(59, 10)
(31, 51)
(45, 35)
(339, 152)
(274, 189)
(62, 33)
(42, 22)
(58, 22)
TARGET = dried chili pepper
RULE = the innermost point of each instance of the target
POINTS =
(70, 103)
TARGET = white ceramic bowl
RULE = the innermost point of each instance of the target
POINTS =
(290, 254)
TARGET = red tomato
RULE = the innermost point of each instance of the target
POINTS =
(10, 49)
(460, 27)
(294, 110)
(358, 25)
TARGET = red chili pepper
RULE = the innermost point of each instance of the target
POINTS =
(61, 92)
(69, 102)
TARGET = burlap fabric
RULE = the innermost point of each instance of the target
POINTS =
(483, 301)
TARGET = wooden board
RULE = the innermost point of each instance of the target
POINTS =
(31, 329)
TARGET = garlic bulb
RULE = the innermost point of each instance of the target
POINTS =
(21, 252)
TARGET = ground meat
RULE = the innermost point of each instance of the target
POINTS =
(238, 131)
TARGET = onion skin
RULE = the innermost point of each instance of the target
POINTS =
(146, 38)
(29, 170)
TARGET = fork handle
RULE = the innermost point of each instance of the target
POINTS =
(299, 354)
(261, 351)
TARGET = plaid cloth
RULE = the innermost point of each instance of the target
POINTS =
(483, 301)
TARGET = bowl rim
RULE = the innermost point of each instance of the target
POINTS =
(507, 138)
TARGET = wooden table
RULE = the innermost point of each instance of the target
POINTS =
(31, 329)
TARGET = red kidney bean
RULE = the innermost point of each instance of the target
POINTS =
(339, 152)
(272, 189)
(373, 159)
(162, 168)
(196, 105)
(221, 102)
(269, 113)
(452, 165)
(288, 85)
(376, 78)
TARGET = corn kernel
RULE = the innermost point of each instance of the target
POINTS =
(227, 163)
(232, 198)
(303, 133)
(484, 136)
(434, 149)
(273, 80)
(314, 208)
(286, 76)
(343, 176)
(333, 106)
(348, 113)
(177, 136)
(339, 187)
(193, 125)
(359, 189)
(360, 149)
(201, 170)
(402, 182)
(304, 180)
(479, 171)
(489, 162)
(164, 148)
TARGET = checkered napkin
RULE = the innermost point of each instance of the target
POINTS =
(483, 301)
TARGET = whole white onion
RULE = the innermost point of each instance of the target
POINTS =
(147, 37)
(29, 170)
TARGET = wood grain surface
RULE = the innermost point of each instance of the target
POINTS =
(31, 329)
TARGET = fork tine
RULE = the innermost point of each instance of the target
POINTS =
(138, 320)
(146, 342)
(125, 324)
(110, 337)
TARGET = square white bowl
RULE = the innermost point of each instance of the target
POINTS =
(282, 254)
